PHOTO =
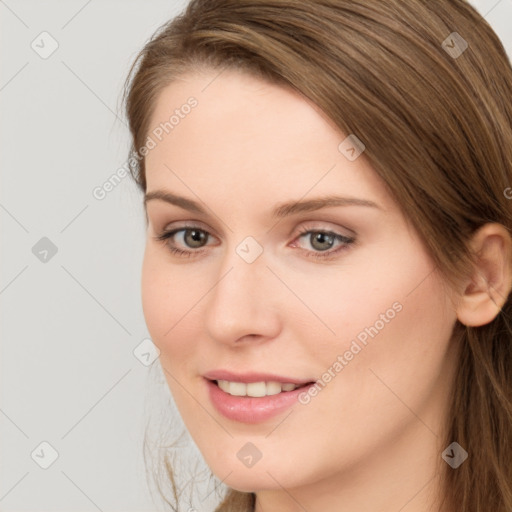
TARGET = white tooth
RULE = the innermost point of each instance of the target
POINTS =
(273, 388)
(224, 385)
(256, 389)
(237, 389)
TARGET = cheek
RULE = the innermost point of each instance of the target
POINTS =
(379, 293)
(170, 301)
(393, 322)
(155, 294)
(163, 293)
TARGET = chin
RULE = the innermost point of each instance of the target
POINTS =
(260, 477)
(247, 481)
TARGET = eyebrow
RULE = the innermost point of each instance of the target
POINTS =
(280, 211)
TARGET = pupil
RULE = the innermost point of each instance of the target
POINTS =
(322, 238)
(195, 238)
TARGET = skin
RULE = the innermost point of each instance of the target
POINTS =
(371, 439)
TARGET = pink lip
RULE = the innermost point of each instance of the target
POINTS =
(252, 377)
(247, 409)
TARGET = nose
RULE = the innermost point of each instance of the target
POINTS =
(243, 303)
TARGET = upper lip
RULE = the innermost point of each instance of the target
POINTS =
(253, 377)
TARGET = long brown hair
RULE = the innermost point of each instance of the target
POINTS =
(427, 86)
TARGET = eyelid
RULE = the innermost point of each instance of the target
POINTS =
(295, 232)
(321, 226)
(187, 224)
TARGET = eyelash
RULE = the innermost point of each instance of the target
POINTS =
(325, 255)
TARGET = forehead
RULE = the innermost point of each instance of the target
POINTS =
(238, 105)
(247, 134)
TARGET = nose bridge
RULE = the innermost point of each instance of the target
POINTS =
(240, 301)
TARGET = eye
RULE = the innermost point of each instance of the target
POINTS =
(195, 239)
(323, 241)
(190, 236)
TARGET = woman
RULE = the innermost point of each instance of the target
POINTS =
(327, 272)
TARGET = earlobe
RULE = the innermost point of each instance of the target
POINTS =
(489, 285)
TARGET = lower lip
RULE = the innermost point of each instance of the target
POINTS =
(248, 409)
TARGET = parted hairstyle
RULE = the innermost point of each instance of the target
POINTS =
(437, 127)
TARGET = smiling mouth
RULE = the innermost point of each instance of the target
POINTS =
(257, 389)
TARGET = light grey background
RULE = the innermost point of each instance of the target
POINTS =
(70, 324)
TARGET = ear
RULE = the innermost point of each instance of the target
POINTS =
(488, 287)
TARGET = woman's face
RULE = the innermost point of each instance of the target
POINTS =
(276, 286)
